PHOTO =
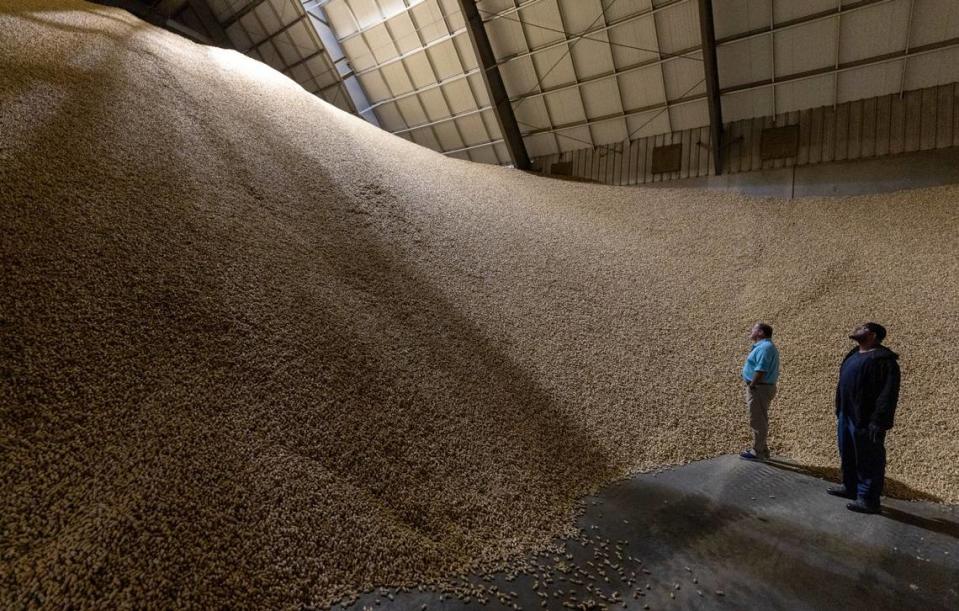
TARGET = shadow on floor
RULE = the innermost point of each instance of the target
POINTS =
(893, 488)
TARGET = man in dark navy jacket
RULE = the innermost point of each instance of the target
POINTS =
(866, 398)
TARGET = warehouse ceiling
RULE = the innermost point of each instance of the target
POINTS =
(585, 73)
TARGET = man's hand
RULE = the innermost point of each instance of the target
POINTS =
(875, 432)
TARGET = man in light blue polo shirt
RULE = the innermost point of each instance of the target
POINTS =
(760, 372)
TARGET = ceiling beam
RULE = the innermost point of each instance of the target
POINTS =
(711, 68)
(499, 99)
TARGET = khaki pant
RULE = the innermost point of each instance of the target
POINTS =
(758, 400)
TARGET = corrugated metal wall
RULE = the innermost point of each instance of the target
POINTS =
(920, 120)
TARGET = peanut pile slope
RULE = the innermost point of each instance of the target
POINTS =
(258, 353)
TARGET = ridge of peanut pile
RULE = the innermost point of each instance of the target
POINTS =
(257, 353)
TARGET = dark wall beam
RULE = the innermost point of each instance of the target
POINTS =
(499, 99)
(710, 66)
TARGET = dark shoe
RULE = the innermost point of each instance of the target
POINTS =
(841, 491)
(748, 455)
(860, 507)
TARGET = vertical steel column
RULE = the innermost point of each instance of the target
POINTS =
(708, 34)
(499, 100)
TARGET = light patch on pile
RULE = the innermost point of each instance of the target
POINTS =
(256, 352)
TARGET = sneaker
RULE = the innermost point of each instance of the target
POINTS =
(750, 455)
(841, 491)
(860, 507)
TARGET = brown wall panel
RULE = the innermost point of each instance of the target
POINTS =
(854, 134)
(868, 134)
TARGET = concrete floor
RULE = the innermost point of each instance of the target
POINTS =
(728, 534)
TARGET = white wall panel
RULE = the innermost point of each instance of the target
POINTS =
(932, 69)
(642, 87)
(404, 33)
(683, 78)
(389, 117)
(591, 58)
(460, 96)
(807, 93)
(375, 86)
(542, 13)
(358, 53)
(476, 83)
(574, 138)
(582, 15)
(639, 34)
(341, 19)
(366, 12)
(745, 104)
(870, 81)
(647, 123)
(738, 16)
(691, 114)
(506, 37)
(806, 47)
(745, 61)
(787, 10)
(874, 31)
(608, 132)
(540, 145)
(448, 136)
(531, 114)
(430, 20)
(412, 111)
(381, 44)
(473, 130)
(421, 72)
(601, 98)
(565, 106)
(465, 51)
(445, 59)
(554, 67)
(933, 21)
(678, 27)
(397, 79)
(622, 9)
(435, 104)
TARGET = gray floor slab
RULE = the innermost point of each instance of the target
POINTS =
(729, 534)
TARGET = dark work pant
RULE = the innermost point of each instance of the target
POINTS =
(863, 461)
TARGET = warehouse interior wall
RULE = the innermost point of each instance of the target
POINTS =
(880, 127)
(860, 177)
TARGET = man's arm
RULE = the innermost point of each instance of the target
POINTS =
(757, 378)
(885, 412)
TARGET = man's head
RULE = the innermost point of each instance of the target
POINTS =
(760, 331)
(868, 334)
